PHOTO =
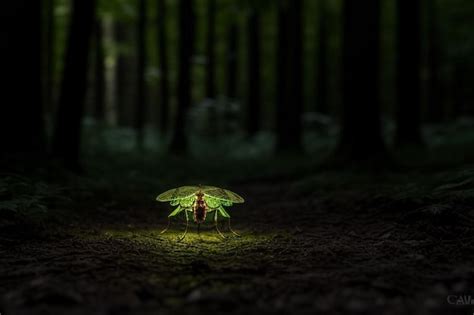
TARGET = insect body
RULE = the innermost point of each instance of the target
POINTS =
(200, 200)
(200, 208)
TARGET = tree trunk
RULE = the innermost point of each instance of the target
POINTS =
(211, 69)
(124, 80)
(67, 135)
(21, 112)
(281, 71)
(435, 108)
(179, 141)
(361, 135)
(322, 60)
(297, 100)
(254, 74)
(290, 77)
(140, 106)
(232, 52)
(99, 73)
(210, 48)
(163, 64)
(408, 116)
(49, 58)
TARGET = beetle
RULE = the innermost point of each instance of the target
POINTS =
(200, 200)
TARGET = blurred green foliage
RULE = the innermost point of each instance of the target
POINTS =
(28, 198)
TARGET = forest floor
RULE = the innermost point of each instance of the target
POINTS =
(312, 242)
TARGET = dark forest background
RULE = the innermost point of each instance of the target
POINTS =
(348, 127)
(233, 78)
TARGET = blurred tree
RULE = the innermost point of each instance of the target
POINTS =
(163, 65)
(211, 67)
(253, 72)
(67, 134)
(140, 106)
(21, 113)
(179, 141)
(281, 68)
(290, 76)
(99, 72)
(361, 135)
(322, 59)
(210, 49)
(408, 115)
(232, 54)
(125, 78)
(461, 88)
(435, 108)
(49, 56)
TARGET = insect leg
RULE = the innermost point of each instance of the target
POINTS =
(230, 229)
(226, 215)
(167, 226)
(217, 227)
(187, 224)
(172, 214)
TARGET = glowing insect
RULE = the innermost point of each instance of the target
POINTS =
(200, 200)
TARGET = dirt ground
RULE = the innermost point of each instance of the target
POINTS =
(385, 244)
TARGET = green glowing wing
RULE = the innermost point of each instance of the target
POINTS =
(179, 193)
(185, 196)
(226, 197)
(187, 202)
(212, 202)
(226, 203)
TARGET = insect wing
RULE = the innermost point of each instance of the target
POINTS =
(187, 202)
(223, 195)
(226, 203)
(212, 202)
(178, 193)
